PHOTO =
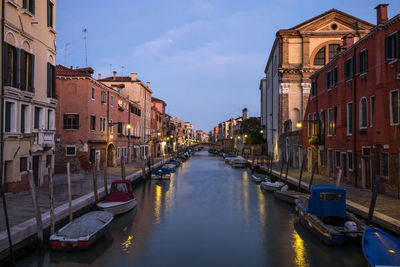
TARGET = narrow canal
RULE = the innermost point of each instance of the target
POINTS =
(207, 215)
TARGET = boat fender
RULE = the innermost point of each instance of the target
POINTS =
(350, 226)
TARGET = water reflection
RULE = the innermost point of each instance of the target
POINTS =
(157, 206)
(261, 207)
(300, 250)
(245, 186)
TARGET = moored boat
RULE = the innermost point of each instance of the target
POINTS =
(380, 248)
(160, 174)
(271, 186)
(258, 177)
(324, 213)
(238, 162)
(82, 232)
(120, 199)
(288, 196)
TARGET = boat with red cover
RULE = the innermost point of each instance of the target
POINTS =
(121, 198)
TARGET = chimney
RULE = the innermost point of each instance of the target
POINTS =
(114, 75)
(148, 85)
(381, 13)
(133, 77)
(348, 40)
(244, 114)
(71, 67)
(99, 76)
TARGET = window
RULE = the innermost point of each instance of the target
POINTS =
(119, 127)
(27, 71)
(23, 164)
(71, 121)
(29, 5)
(349, 118)
(328, 80)
(112, 100)
(25, 121)
(392, 46)
(309, 124)
(333, 50)
(10, 117)
(363, 61)
(50, 7)
(350, 160)
(316, 124)
(50, 119)
(93, 94)
(384, 164)
(321, 157)
(334, 76)
(337, 158)
(102, 124)
(366, 151)
(394, 107)
(111, 126)
(320, 57)
(363, 113)
(48, 161)
(348, 69)
(313, 88)
(37, 119)
(371, 110)
(332, 113)
(10, 66)
(322, 120)
(103, 97)
(51, 81)
(92, 122)
(70, 151)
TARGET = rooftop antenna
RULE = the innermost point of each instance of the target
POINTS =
(65, 53)
(122, 67)
(84, 38)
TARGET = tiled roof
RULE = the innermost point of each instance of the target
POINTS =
(117, 79)
(157, 100)
(64, 71)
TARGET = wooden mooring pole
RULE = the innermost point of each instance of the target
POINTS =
(287, 169)
(36, 209)
(95, 192)
(69, 191)
(373, 200)
(51, 198)
(312, 176)
(301, 171)
(280, 173)
(123, 173)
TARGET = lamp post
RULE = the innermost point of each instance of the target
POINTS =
(128, 127)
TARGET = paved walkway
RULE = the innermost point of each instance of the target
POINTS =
(20, 207)
(385, 205)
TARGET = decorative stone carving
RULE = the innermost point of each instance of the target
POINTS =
(284, 88)
(306, 87)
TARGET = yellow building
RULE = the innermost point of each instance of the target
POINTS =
(138, 92)
(29, 58)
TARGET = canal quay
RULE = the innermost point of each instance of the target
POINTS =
(208, 214)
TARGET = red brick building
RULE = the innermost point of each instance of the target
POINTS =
(83, 135)
(352, 120)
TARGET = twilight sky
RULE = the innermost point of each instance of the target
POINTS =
(204, 58)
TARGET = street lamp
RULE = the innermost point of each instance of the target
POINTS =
(245, 135)
(262, 131)
(299, 125)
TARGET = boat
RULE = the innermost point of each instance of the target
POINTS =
(120, 199)
(324, 213)
(160, 174)
(272, 186)
(169, 167)
(239, 162)
(82, 232)
(258, 177)
(288, 196)
(380, 248)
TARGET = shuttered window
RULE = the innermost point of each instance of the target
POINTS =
(27, 71)
(51, 81)
(10, 65)
(29, 5)
(392, 46)
(348, 69)
(363, 61)
(7, 125)
(71, 121)
(50, 7)
(119, 127)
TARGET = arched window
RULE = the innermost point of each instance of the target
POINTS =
(326, 54)
(363, 113)
(320, 57)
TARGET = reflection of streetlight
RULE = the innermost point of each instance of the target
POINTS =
(159, 134)
(172, 136)
(238, 137)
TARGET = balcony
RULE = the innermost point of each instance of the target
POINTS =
(44, 138)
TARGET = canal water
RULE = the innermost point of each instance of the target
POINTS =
(208, 214)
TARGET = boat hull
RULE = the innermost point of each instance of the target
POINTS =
(270, 188)
(117, 207)
(288, 196)
(160, 177)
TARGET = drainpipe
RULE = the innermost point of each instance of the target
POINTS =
(2, 178)
(355, 167)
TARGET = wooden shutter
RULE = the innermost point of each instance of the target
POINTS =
(65, 121)
(23, 118)
(76, 122)
(5, 64)
(48, 80)
(334, 119)
(387, 48)
(366, 60)
(31, 78)
(23, 70)
(7, 126)
(25, 4)
(53, 81)
(32, 6)
(16, 60)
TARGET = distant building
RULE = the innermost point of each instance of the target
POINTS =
(30, 98)
(296, 54)
(158, 147)
(352, 120)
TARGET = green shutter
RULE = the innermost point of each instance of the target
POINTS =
(53, 81)
(387, 47)
(15, 67)
(396, 50)
(22, 71)
(5, 64)
(359, 63)
(31, 78)
(24, 4)
(32, 6)
(366, 60)
(48, 80)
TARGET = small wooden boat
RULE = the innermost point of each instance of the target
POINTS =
(160, 174)
(82, 232)
(380, 248)
(288, 196)
(258, 177)
(238, 162)
(121, 198)
(272, 186)
(324, 213)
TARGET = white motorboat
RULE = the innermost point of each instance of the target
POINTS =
(121, 198)
(272, 186)
(239, 162)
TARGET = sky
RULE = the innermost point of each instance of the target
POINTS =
(204, 58)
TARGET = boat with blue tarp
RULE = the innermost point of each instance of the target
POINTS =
(324, 213)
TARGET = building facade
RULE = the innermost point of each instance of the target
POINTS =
(158, 144)
(96, 124)
(30, 100)
(296, 54)
(352, 120)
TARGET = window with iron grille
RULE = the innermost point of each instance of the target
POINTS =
(23, 164)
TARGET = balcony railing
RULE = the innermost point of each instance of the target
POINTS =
(44, 138)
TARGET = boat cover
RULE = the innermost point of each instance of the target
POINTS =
(121, 191)
(327, 200)
(85, 225)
